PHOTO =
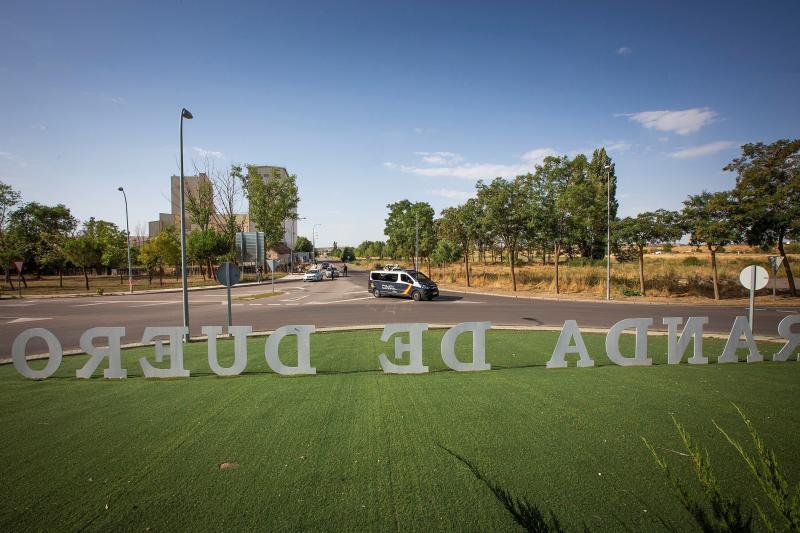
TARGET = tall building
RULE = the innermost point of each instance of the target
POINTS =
(191, 187)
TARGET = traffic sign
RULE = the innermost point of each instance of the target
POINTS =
(18, 263)
(228, 274)
(273, 263)
(754, 277)
(774, 262)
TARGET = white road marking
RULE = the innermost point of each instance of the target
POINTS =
(20, 320)
(791, 311)
(156, 303)
(295, 299)
(340, 301)
(254, 304)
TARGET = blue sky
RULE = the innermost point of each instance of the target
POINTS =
(373, 102)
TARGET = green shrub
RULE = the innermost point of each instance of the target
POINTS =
(666, 248)
(100, 291)
(692, 261)
(629, 291)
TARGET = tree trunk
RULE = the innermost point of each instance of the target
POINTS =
(556, 256)
(428, 259)
(714, 271)
(544, 256)
(786, 267)
(60, 278)
(86, 278)
(641, 270)
(161, 276)
(466, 265)
(511, 254)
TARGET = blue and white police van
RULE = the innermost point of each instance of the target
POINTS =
(409, 283)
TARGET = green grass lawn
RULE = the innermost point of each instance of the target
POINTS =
(353, 448)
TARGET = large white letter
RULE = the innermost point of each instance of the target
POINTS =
(792, 339)
(414, 349)
(569, 332)
(240, 334)
(740, 327)
(676, 346)
(640, 355)
(21, 363)
(478, 330)
(303, 351)
(175, 353)
(97, 353)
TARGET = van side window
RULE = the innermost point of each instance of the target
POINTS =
(375, 276)
(405, 278)
(391, 278)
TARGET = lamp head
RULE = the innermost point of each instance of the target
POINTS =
(119, 189)
(185, 113)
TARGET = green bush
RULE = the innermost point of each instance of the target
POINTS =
(629, 291)
(584, 261)
(692, 261)
(666, 248)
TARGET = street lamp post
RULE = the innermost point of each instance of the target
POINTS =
(128, 232)
(185, 114)
(608, 232)
(416, 241)
(314, 242)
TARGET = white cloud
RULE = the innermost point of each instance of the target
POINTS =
(682, 122)
(207, 153)
(663, 139)
(452, 194)
(119, 100)
(624, 50)
(440, 158)
(537, 155)
(617, 146)
(8, 156)
(703, 149)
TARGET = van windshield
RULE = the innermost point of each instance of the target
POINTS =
(422, 278)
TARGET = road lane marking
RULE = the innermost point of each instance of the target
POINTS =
(156, 303)
(18, 320)
(295, 299)
(341, 301)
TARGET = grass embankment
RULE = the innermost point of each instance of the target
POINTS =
(353, 448)
(76, 285)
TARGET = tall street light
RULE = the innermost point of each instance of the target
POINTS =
(185, 114)
(128, 231)
(608, 232)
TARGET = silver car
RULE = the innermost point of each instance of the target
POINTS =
(313, 274)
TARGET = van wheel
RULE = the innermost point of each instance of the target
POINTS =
(416, 295)
(376, 293)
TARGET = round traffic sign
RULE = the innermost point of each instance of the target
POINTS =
(228, 274)
(759, 281)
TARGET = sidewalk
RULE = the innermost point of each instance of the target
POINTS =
(266, 282)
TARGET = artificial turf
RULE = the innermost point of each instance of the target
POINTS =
(355, 449)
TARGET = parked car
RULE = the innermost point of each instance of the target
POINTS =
(313, 274)
(408, 283)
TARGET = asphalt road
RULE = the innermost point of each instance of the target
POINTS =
(340, 302)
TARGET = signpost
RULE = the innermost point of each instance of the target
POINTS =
(775, 262)
(228, 274)
(18, 264)
(753, 277)
(273, 264)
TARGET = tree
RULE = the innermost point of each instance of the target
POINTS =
(36, 229)
(446, 252)
(708, 217)
(228, 196)
(271, 203)
(163, 249)
(83, 251)
(504, 204)
(648, 228)
(113, 243)
(404, 223)
(457, 228)
(348, 254)
(768, 195)
(9, 198)
(302, 244)
(552, 208)
(205, 246)
(200, 205)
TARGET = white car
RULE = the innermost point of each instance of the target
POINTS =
(313, 274)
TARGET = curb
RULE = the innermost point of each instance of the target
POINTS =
(284, 279)
(338, 329)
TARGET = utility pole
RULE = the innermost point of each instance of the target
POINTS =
(128, 231)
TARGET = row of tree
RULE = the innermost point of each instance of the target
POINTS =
(48, 238)
(564, 206)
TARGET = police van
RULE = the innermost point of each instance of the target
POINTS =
(408, 283)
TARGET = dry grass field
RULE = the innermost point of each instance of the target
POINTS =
(683, 273)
